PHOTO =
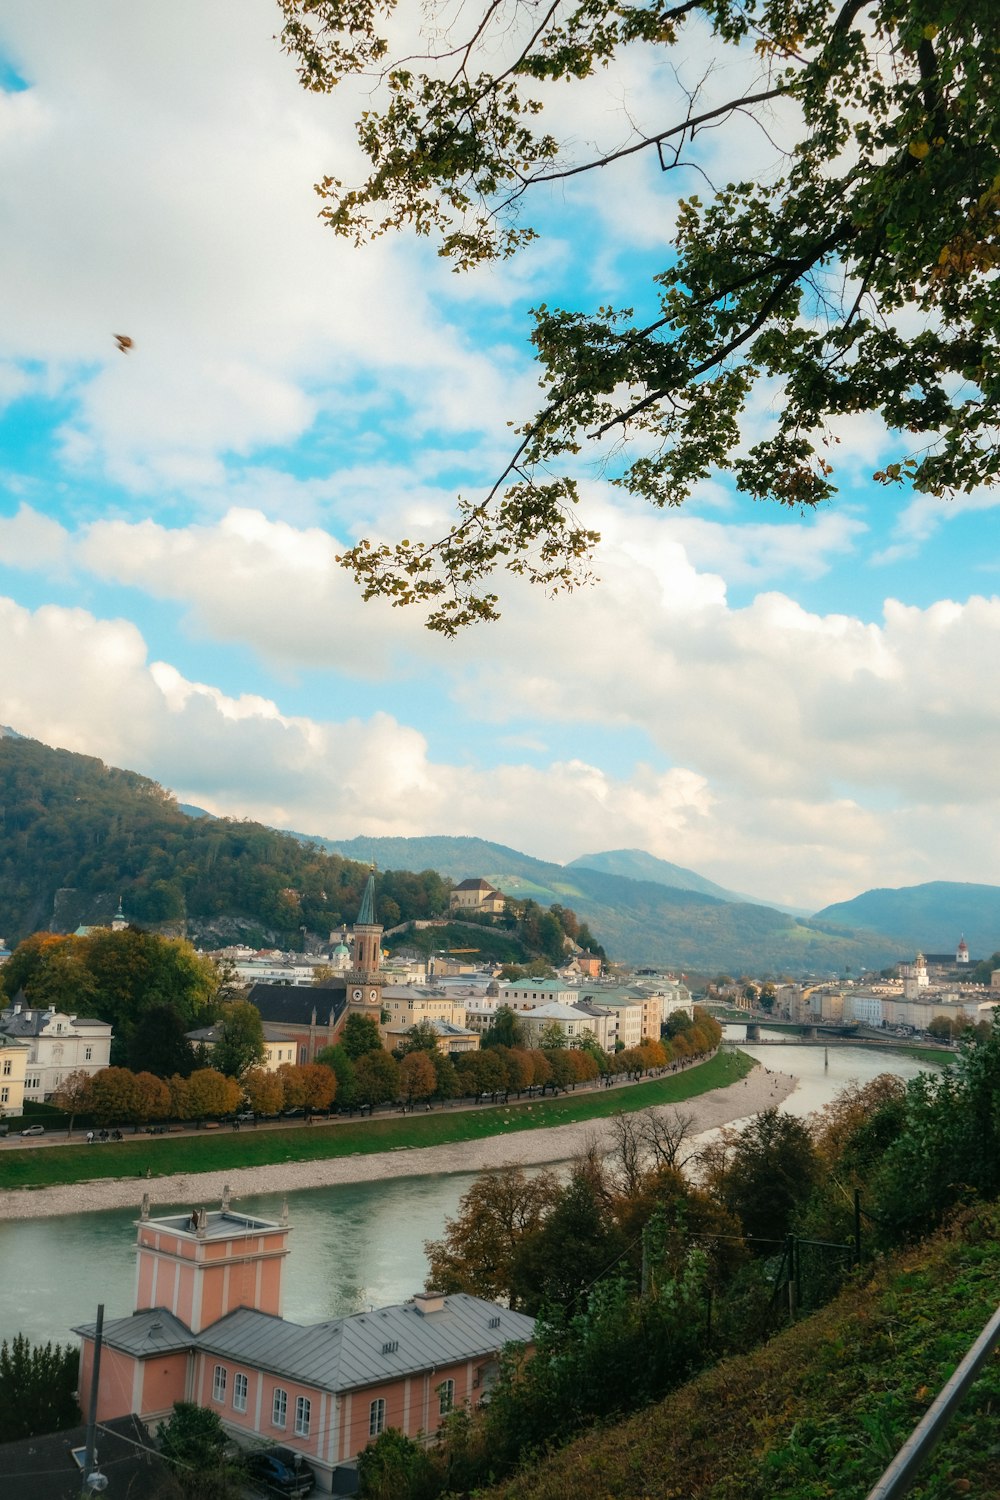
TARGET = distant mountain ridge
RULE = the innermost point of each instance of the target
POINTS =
(644, 921)
(636, 864)
(931, 917)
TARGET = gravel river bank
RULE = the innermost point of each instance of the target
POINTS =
(759, 1090)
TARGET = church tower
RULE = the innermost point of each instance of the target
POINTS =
(364, 977)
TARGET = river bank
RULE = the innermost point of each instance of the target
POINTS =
(762, 1088)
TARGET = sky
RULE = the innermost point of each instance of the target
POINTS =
(803, 707)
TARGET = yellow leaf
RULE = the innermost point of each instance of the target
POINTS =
(929, 33)
(919, 149)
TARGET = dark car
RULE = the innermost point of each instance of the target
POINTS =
(280, 1471)
(34, 1130)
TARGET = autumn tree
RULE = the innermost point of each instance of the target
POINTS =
(263, 1091)
(73, 1096)
(307, 1086)
(417, 1077)
(851, 274)
(114, 1097)
(478, 1251)
(207, 1094)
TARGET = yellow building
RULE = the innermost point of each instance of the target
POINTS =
(13, 1069)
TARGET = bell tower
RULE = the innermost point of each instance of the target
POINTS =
(364, 977)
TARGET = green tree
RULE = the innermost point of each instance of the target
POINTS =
(115, 1097)
(857, 275)
(577, 1243)
(360, 1035)
(396, 1467)
(240, 1039)
(376, 1078)
(341, 1065)
(158, 1043)
(193, 1442)
(505, 1030)
(761, 1173)
(420, 1038)
(37, 1388)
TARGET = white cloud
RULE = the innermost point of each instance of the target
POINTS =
(825, 754)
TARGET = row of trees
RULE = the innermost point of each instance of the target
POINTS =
(117, 1096)
(639, 1271)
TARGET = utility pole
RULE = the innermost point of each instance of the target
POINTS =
(91, 1477)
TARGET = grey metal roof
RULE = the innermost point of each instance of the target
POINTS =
(367, 1348)
(152, 1331)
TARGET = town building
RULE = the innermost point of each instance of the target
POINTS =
(280, 1047)
(208, 1328)
(310, 1017)
(576, 1022)
(477, 896)
(525, 994)
(14, 1056)
(58, 1044)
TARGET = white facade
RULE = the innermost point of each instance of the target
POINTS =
(573, 1022)
(526, 994)
(58, 1044)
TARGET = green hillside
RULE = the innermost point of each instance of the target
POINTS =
(821, 1409)
(930, 917)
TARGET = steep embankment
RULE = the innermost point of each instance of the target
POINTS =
(821, 1409)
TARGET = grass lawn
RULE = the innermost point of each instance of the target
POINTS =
(51, 1166)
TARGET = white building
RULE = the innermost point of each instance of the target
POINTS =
(58, 1044)
(574, 1021)
(526, 994)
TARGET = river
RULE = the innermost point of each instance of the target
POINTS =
(351, 1247)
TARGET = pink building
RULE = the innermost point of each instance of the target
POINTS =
(208, 1328)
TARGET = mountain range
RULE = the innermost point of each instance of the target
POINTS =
(75, 836)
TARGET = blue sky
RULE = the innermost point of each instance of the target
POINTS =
(800, 706)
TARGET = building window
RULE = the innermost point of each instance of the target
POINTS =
(88, 1053)
(303, 1410)
(4, 1095)
(446, 1397)
(6, 1067)
(219, 1383)
(239, 1392)
(279, 1407)
(376, 1417)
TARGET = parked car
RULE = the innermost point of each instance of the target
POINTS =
(245, 1117)
(33, 1130)
(281, 1471)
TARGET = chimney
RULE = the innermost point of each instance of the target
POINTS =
(429, 1302)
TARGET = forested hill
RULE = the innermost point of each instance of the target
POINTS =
(931, 917)
(76, 835)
